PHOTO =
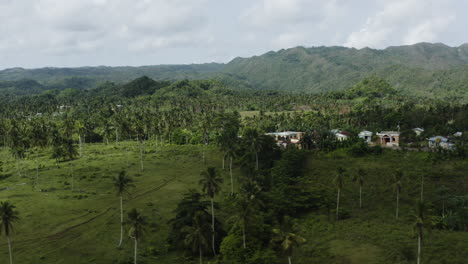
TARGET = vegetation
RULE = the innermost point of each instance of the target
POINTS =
(300, 203)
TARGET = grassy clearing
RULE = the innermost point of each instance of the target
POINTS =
(61, 226)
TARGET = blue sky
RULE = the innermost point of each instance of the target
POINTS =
(71, 33)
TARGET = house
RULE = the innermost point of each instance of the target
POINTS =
(418, 131)
(340, 135)
(440, 141)
(458, 134)
(389, 138)
(366, 135)
(287, 137)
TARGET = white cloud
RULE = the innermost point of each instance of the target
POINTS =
(404, 22)
(36, 33)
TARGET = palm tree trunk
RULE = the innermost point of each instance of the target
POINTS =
(397, 202)
(256, 160)
(136, 248)
(289, 260)
(73, 177)
(338, 204)
(201, 254)
(37, 173)
(18, 165)
(230, 173)
(121, 221)
(141, 156)
(243, 236)
(81, 147)
(9, 250)
(419, 248)
(224, 156)
(213, 227)
(422, 187)
(360, 196)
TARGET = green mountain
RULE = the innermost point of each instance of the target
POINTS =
(422, 69)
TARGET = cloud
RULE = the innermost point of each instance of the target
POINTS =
(36, 33)
(404, 22)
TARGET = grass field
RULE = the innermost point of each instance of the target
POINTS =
(59, 225)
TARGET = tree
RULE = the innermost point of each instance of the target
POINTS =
(197, 235)
(242, 215)
(359, 178)
(253, 141)
(420, 223)
(122, 183)
(137, 223)
(231, 154)
(8, 215)
(339, 182)
(287, 239)
(397, 177)
(211, 185)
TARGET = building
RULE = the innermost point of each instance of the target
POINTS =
(418, 131)
(439, 141)
(458, 134)
(287, 137)
(389, 138)
(340, 135)
(366, 135)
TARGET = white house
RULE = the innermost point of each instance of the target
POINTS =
(366, 135)
(340, 135)
(439, 141)
(418, 131)
(458, 134)
(286, 137)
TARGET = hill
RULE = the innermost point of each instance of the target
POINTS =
(423, 69)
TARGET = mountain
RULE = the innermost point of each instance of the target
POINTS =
(423, 69)
(419, 69)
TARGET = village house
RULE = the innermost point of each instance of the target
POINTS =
(418, 131)
(458, 134)
(440, 141)
(366, 135)
(389, 138)
(340, 135)
(283, 139)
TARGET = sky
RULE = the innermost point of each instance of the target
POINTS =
(73, 33)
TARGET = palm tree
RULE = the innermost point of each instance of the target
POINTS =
(339, 182)
(8, 215)
(288, 240)
(231, 154)
(397, 182)
(420, 223)
(122, 183)
(359, 178)
(137, 224)
(253, 141)
(211, 185)
(196, 235)
(243, 215)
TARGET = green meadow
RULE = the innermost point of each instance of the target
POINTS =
(70, 213)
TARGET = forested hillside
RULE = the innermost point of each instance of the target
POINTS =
(423, 69)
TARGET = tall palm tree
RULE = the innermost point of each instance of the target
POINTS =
(197, 235)
(289, 241)
(243, 215)
(397, 177)
(339, 182)
(8, 215)
(254, 142)
(359, 178)
(122, 183)
(231, 154)
(420, 223)
(211, 185)
(137, 224)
